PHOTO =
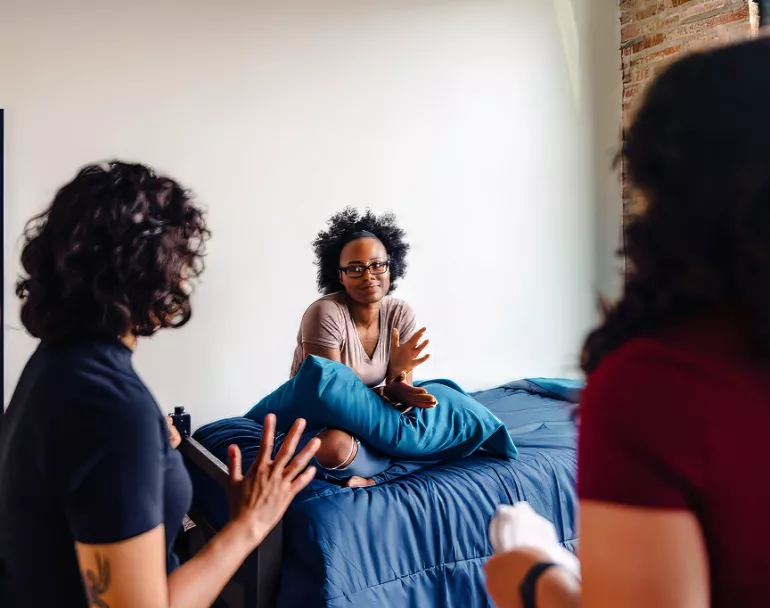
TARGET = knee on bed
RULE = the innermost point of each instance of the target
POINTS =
(336, 447)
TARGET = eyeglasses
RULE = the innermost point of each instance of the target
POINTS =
(358, 270)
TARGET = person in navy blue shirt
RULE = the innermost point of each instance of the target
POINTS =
(92, 494)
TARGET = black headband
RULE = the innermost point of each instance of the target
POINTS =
(363, 234)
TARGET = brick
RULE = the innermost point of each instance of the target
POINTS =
(717, 36)
(657, 56)
(629, 33)
(699, 8)
(648, 27)
(654, 32)
(635, 6)
(668, 22)
(701, 43)
(641, 75)
(637, 76)
(688, 30)
(629, 91)
(704, 27)
(648, 43)
(650, 11)
(742, 14)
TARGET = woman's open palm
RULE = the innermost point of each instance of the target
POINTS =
(261, 497)
(405, 357)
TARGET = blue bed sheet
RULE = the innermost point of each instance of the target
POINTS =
(419, 538)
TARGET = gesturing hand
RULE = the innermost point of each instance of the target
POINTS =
(405, 357)
(399, 390)
(260, 498)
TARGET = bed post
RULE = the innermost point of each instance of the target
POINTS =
(262, 570)
(260, 574)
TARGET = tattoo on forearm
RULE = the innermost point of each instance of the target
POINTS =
(98, 582)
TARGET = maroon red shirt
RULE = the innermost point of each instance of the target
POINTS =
(681, 420)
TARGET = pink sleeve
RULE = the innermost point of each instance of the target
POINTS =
(323, 325)
(641, 430)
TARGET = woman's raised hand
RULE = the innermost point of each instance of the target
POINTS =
(260, 498)
(405, 357)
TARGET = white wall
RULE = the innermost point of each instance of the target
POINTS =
(458, 115)
(605, 91)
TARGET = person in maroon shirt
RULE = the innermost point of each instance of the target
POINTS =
(675, 419)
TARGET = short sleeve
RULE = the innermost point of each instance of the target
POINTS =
(323, 325)
(641, 435)
(110, 469)
(405, 321)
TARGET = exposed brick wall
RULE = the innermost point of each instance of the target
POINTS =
(653, 32)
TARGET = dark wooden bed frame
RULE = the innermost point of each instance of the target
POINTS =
(255, 585)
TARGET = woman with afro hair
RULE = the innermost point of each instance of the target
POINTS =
(91, 493)
(360, 258)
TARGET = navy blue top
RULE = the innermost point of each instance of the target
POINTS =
(84, 456)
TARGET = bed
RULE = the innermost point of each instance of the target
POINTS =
(419, 537)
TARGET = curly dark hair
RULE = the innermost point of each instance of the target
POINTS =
(341, 230)
(698, 153)
(113, 254)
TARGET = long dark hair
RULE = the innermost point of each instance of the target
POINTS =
(698, 154)
(113, 254)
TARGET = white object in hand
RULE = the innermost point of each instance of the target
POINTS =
(519, 527)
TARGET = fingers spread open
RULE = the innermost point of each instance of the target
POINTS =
(290, 443)
(416, 337)
(394, 338)
(301, 460)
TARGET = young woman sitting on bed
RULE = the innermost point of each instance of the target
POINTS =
(356, 322)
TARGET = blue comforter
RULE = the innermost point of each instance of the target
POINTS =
(419, 538)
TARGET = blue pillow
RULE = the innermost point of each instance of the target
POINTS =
(329, 394)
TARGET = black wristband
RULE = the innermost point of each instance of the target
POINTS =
(529, 584)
